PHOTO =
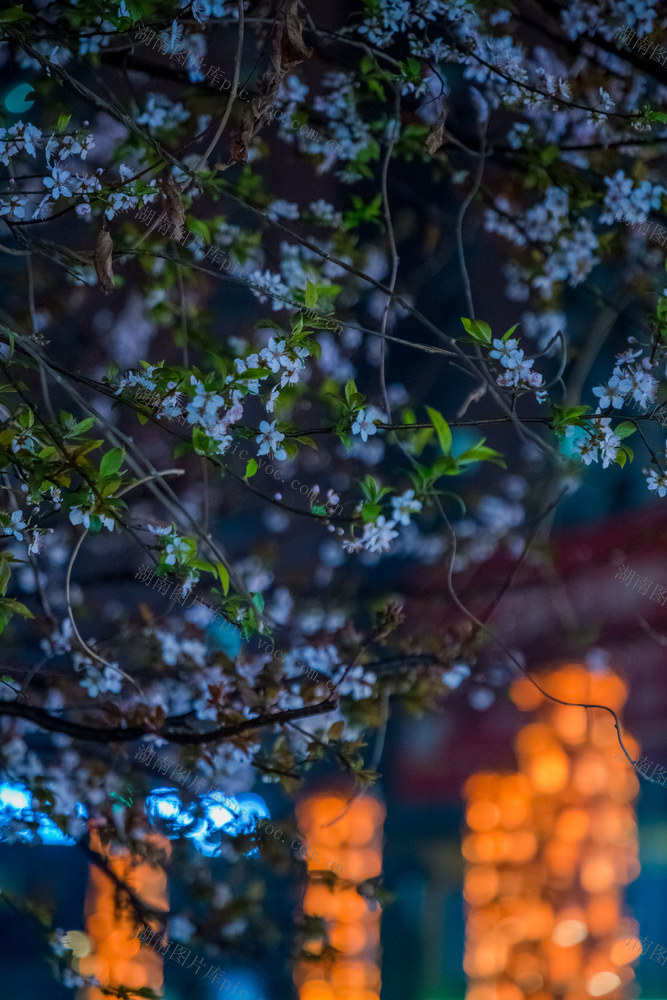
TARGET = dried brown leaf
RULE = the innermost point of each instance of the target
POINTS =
(287, 49)
(174, 207)
(103, 261)
(436, 136)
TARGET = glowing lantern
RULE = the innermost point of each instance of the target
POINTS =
(543, 899)
(345, 837)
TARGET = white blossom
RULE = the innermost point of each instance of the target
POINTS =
(269, 440)
(404, 506)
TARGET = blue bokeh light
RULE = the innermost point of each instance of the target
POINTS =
(16, 804)
(208, 822)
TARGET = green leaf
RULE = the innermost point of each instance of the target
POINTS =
(82, 427)
(5, 575)
(16, 607)
(508, 334)
(112, 461)
(656, 116)
(478, 330)
(315, 348)
(441, 429)
(27, 419)
(628, 451)
(376, 88)
(625, 429)
(203, 565)
(350, 389)
(269, 324)
(16, 14)
(311, 295)
(250, 469)
(258, 601)
(224, 577)
(480, 453)
(304, 439)
(5, 617)
(445, 466)
(370, 511)
(198, 227)
(200, 441)
(63, 122)
(110, 485)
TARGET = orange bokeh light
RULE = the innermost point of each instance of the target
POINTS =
(118, 958)
(349, 830)
(549, 771)
(543, 881)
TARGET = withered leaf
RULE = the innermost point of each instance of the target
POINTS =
(174, 207)
(287, 50)
(293, 48)
(435, 138)
(102, 260)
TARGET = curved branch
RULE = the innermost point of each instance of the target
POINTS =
(96, 734)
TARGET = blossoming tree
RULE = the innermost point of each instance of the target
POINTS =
(178, 286)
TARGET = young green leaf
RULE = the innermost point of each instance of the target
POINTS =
(625, 429)
(16, 606)
(311, 295)
(250, 469)
(441, 429)
(112, 461)
(370, 511)
(478, 330)
(350, 390)
(224, 577)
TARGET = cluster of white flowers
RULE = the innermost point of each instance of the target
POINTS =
(656, 481)
(404, 506)
(571, 257)
(325, 213)
(97, 679)
(625, 201)
(279, 360)
(358, 684)
(518, 372)
(213, 413)
(160, 112)
(628, 378)
(281, 209)
(81, 514)
(377, 537)
(479, 537)
(346, 125)
(16, 525)
(273, 284)
(385, 20)
(18, 138)
(599, 443)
